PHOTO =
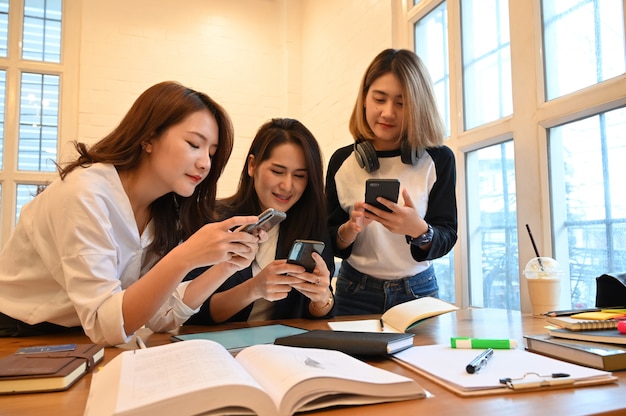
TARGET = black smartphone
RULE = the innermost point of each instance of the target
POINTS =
(267, 220)
(387, 188)
(301, 251)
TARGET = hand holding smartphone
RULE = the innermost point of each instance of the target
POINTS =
(301, 251)
(386, 188)
(267, 220)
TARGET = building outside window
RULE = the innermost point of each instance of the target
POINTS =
(536, 141)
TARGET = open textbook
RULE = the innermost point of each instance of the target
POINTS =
(202, 377)
(400, 317)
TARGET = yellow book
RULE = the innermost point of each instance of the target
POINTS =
(602, 315)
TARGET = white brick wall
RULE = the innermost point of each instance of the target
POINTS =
(340, 39)
(258, 58)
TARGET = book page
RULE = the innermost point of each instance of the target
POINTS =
(363, 325)
(404, 315)
(295, 376)
(167, 376)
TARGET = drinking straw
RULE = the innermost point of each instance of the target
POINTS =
(532, 240)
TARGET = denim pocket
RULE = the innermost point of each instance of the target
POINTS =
(424, 286)
(345, 286)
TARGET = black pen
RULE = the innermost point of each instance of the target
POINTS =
(382, 325)
(479, 362)
(568, 312)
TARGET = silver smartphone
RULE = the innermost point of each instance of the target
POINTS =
(267, 220)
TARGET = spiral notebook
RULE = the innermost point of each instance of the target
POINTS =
(577, 324)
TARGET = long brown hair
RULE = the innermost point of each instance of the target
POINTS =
(158, 108)
(307, 217)
(423, 126)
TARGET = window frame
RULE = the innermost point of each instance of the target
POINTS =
(527, 127)
(14, 65)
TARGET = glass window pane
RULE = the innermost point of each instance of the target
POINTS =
(587, 170)
(4, 27)
(38, 129)
(41, 37)
(444, 270)
(431, 45)
(3, 79)
(492, 227)
(25, 193)
(585, 35)
(486, 61)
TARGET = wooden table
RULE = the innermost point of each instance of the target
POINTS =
(607, 399)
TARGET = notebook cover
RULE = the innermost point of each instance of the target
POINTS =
(236, 339)
(351, 342)
(47, 370)
(611, 336)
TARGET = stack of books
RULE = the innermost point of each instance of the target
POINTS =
(587, 338)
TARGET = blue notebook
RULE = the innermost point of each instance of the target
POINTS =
(237, 339)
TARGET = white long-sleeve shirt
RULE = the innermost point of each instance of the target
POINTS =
(74, 251)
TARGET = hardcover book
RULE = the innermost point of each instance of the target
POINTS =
(47, 368)
(351, 342)
(608, 357)
(201, 377)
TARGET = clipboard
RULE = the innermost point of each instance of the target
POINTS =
(508, 371)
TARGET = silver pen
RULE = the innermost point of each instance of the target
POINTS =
(140, 343)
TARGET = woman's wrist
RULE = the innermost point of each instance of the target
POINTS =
(323, 307)
(342, 237)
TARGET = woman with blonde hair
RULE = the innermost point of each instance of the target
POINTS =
(398, 134)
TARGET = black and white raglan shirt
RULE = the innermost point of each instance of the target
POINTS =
(431, 185)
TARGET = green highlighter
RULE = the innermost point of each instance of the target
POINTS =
(482, 343)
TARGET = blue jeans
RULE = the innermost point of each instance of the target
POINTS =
(361, 294)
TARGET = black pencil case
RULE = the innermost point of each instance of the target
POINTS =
(611, 290)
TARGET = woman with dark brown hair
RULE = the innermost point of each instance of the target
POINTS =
(107, 244)
(283, 171)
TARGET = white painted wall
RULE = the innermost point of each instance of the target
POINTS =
(258, 58)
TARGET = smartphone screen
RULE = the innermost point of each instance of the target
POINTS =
(301, 251)
(267, 220)
(387, 188)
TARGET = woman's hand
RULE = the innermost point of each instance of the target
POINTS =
(403, 220)
(348, 231)
(314, 285)
(275, 281)
(215, 243)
